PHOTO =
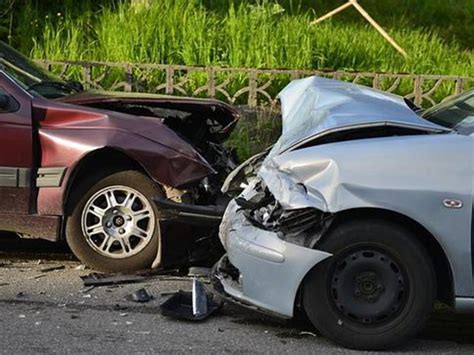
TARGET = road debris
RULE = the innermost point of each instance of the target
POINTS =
(140, 296)
(118, 307)
(52, 268)
(197, 271)
(87, 289)
(196, 305)
(308, 333)
(96, 279)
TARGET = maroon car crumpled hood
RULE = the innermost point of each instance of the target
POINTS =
(167, 157)
(215, 109)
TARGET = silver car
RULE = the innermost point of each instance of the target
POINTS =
(360, 215)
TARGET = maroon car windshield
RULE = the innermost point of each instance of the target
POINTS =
(31, 77)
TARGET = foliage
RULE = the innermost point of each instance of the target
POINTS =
(242, 33)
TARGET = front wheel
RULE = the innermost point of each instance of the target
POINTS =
(114, 226)
(377, 289)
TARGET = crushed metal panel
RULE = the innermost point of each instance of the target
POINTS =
(314, 105)
(409, 175)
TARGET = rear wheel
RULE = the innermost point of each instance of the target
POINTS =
(114, 226)
(376, 291)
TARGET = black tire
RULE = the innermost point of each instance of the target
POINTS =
(74, 232)
(339, 296)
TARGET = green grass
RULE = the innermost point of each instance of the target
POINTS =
(263, 34)
(255, 131)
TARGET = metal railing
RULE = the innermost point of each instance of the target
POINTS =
(252, 87)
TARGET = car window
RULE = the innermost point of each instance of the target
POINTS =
(36, 80)
(7, 102)
(457, 113)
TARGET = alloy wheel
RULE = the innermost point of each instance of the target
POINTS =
(118, 222)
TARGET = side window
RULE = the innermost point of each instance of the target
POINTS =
(7, 102)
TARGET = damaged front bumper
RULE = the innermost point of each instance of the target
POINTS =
(260, 268)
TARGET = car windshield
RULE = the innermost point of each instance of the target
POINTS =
(32, 77)
(456, 113)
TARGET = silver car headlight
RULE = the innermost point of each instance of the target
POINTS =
(263, 211)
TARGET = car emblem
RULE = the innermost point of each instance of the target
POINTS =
(452, 203)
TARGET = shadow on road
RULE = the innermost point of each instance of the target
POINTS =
(14, 247)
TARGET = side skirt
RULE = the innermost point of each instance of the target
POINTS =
(32, 226)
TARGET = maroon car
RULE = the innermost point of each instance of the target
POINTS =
(86, 166)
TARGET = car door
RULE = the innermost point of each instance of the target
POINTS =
(16, 147)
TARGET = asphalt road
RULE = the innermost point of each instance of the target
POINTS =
(51, 313)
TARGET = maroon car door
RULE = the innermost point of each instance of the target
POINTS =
(16, 147)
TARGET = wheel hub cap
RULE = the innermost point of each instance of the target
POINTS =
(368, 286)
(118, 222)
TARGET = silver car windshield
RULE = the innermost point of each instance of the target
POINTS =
(456, 113)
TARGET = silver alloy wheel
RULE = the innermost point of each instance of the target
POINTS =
(118, 222)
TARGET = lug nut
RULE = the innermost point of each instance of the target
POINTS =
(121, 230)
(129, 218)
(114, 211)
(108, 224)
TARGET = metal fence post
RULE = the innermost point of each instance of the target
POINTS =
(87, 75)
(376, 82)
(169, 79)
(418, 90)
(128, 78)
(211, 82)
(252, 102)
(459, 86)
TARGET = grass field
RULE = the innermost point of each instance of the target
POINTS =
(263, 34)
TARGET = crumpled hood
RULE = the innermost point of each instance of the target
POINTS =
(71, 117)
(314, 106)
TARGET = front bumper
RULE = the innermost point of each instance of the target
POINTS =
(266, 271)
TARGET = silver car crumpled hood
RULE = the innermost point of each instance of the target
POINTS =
(314, 106)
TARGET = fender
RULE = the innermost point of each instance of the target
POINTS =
(68, 133)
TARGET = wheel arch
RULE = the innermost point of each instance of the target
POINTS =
(441, 262)
(115, 159)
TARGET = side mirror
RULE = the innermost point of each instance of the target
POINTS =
(75, 85)
(4, 101)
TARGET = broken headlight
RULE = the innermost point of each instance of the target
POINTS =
(296, 225)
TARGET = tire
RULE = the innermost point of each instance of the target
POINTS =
(105, 247)
(376, 291)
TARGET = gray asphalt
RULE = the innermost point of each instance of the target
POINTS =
(51, 313)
